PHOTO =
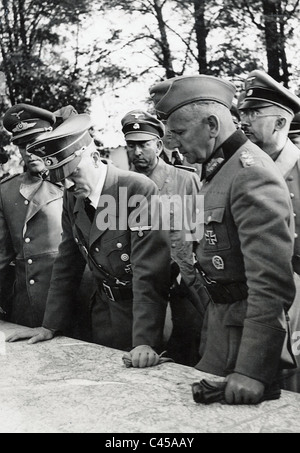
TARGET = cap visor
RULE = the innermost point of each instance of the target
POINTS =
(60, 173)
(254, 104)
(140, 136)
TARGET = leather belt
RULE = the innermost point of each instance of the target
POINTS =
(227, 293)
(222, 293)
(117, 293)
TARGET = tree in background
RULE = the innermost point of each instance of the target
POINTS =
(275, 22)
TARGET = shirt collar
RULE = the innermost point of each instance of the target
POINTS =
(95, 195)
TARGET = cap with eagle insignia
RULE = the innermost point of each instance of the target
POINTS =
(141, 126)
(261, 90)
(24, 121)
(62, 148)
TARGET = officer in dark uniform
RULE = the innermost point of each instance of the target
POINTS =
(144, 134)
(107, 223)
(248, 216)
(30, 221)
(267, 111)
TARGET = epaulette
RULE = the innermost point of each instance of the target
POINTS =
(185, 167)
(8, 178)
(247, 158)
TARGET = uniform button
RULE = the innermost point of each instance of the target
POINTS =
(292, 195)
(171, 211)
(97, 250)
(290, 178)
(295, 235)
(76, 240)
(119, 245)
(26, 202)
(172, 229)
(29, 261)
(31, 282)
(27, 240)
(294, 214)
(197, 210)
(209, 218)
(173, 244)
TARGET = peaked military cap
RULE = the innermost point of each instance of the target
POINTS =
(62, 148)
(176, 92)
(140, 125)
(24, 121)
(261, 90)
(295, 125)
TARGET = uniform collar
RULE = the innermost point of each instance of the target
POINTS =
(160, 173)
(287, 158)
(223, 154)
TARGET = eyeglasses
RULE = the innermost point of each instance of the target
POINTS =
(252, 115)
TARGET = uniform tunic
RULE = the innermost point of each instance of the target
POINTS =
(178, 184)
(30, 232)
(128, 251)
(248, 238)
(288, 163)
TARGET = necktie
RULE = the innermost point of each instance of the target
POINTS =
(176, 157)
(89, 209)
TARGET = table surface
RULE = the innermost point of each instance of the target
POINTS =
(70, 386)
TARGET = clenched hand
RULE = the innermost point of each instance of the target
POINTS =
(242, 389)
(143, 356)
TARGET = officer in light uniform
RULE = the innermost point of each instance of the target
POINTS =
(144, 134)
(267, 110)
(104, 227)
(30, 221)
(248, 216)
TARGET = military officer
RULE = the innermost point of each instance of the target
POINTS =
(247, 216)
(104, 227)
(267, 112)
(30, 221)
(144, 134)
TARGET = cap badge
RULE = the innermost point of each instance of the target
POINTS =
(218, 262)
(136, 126)
(18, 114)
(137, 115)
(249, 92)
(23, 126)
(48, 162)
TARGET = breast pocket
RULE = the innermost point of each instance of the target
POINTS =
(215, 236)
(117, 253)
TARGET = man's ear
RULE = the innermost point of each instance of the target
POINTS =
(159, 147)
(280, 123)
(214, 125)
(95, 155)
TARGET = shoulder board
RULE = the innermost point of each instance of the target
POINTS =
(8, 178)
(247, 158)
(184, 167)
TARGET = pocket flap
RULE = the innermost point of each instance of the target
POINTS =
(214, 215)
